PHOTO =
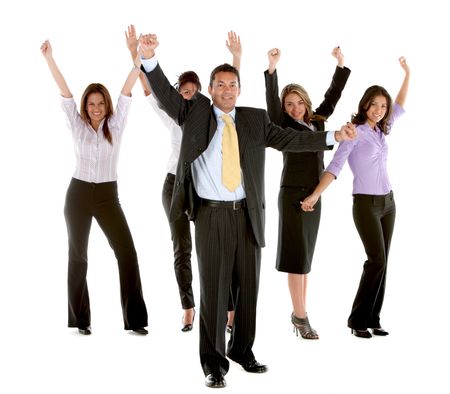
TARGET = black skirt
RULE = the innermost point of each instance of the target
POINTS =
(297, 231)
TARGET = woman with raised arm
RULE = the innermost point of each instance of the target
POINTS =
(188, 84)
(373, 199)
(297, 230)
(97, 132)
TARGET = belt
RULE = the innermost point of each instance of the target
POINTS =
(376, 197)
(235, 205)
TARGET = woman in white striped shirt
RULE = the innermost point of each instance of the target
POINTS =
(97, 131)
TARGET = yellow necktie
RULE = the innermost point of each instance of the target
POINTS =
(231, 168)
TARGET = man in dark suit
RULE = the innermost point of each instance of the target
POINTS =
(229, 222)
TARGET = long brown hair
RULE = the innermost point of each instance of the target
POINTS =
(361, 116)
(304, 96)
(98, 88)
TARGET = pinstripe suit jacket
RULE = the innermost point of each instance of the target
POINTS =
(255, 133)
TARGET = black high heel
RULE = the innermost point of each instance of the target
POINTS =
(361, 333)
(303, 327)
(189, 326)
(379, 331)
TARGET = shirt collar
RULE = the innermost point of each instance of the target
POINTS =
(219, 113)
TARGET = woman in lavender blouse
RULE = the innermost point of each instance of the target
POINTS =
(97, 132)
(373, 199)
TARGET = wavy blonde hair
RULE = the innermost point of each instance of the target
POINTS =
(303, 94)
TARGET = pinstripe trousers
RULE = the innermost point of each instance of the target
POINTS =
(227, 253)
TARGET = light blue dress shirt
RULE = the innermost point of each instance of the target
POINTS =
(207, 168)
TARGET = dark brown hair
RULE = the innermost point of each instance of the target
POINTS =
(188, 76)
(98, 88)
(361, 116)
(228, 68)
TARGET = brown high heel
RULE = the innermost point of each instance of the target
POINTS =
(303, 327)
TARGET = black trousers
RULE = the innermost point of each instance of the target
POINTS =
(85, 201)
(227, 253)
(182, 246)
(374, 217)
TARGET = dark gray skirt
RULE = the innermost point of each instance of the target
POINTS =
(297, 231)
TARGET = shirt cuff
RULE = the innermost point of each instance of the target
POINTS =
(149, 64)
(330, 138)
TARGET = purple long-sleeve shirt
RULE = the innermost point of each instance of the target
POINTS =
(367, 157)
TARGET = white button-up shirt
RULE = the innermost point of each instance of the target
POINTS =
(96, 158)
(175, 134)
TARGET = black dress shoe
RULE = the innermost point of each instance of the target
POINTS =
(140, 331)
(85, 331)
(379, 331)
(255, 367)
(361, 333)
(215, 380)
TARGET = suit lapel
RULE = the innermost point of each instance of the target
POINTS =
(212, 126)
(243, 131)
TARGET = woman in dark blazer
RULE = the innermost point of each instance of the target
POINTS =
(297, 232)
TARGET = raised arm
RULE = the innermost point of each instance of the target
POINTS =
(132, 45)
(271, 78)
(338, 82)
(234, 46)
(47, 51)
(132, 77)
(169, 99)
(401, 96)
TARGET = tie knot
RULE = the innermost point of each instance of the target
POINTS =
(227, 119)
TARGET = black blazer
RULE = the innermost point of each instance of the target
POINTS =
(303, 169)
(255, 133)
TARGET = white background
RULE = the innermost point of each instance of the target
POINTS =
(39, 354)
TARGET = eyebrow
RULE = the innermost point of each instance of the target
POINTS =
(222, 81)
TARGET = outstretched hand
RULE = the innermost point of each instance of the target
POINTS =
(234, 44)
(46, 49)
(148, 44)
(274, 55)
(346, 133)
(337, 53)
(131, 40)
(403, 64)
(308, 203)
